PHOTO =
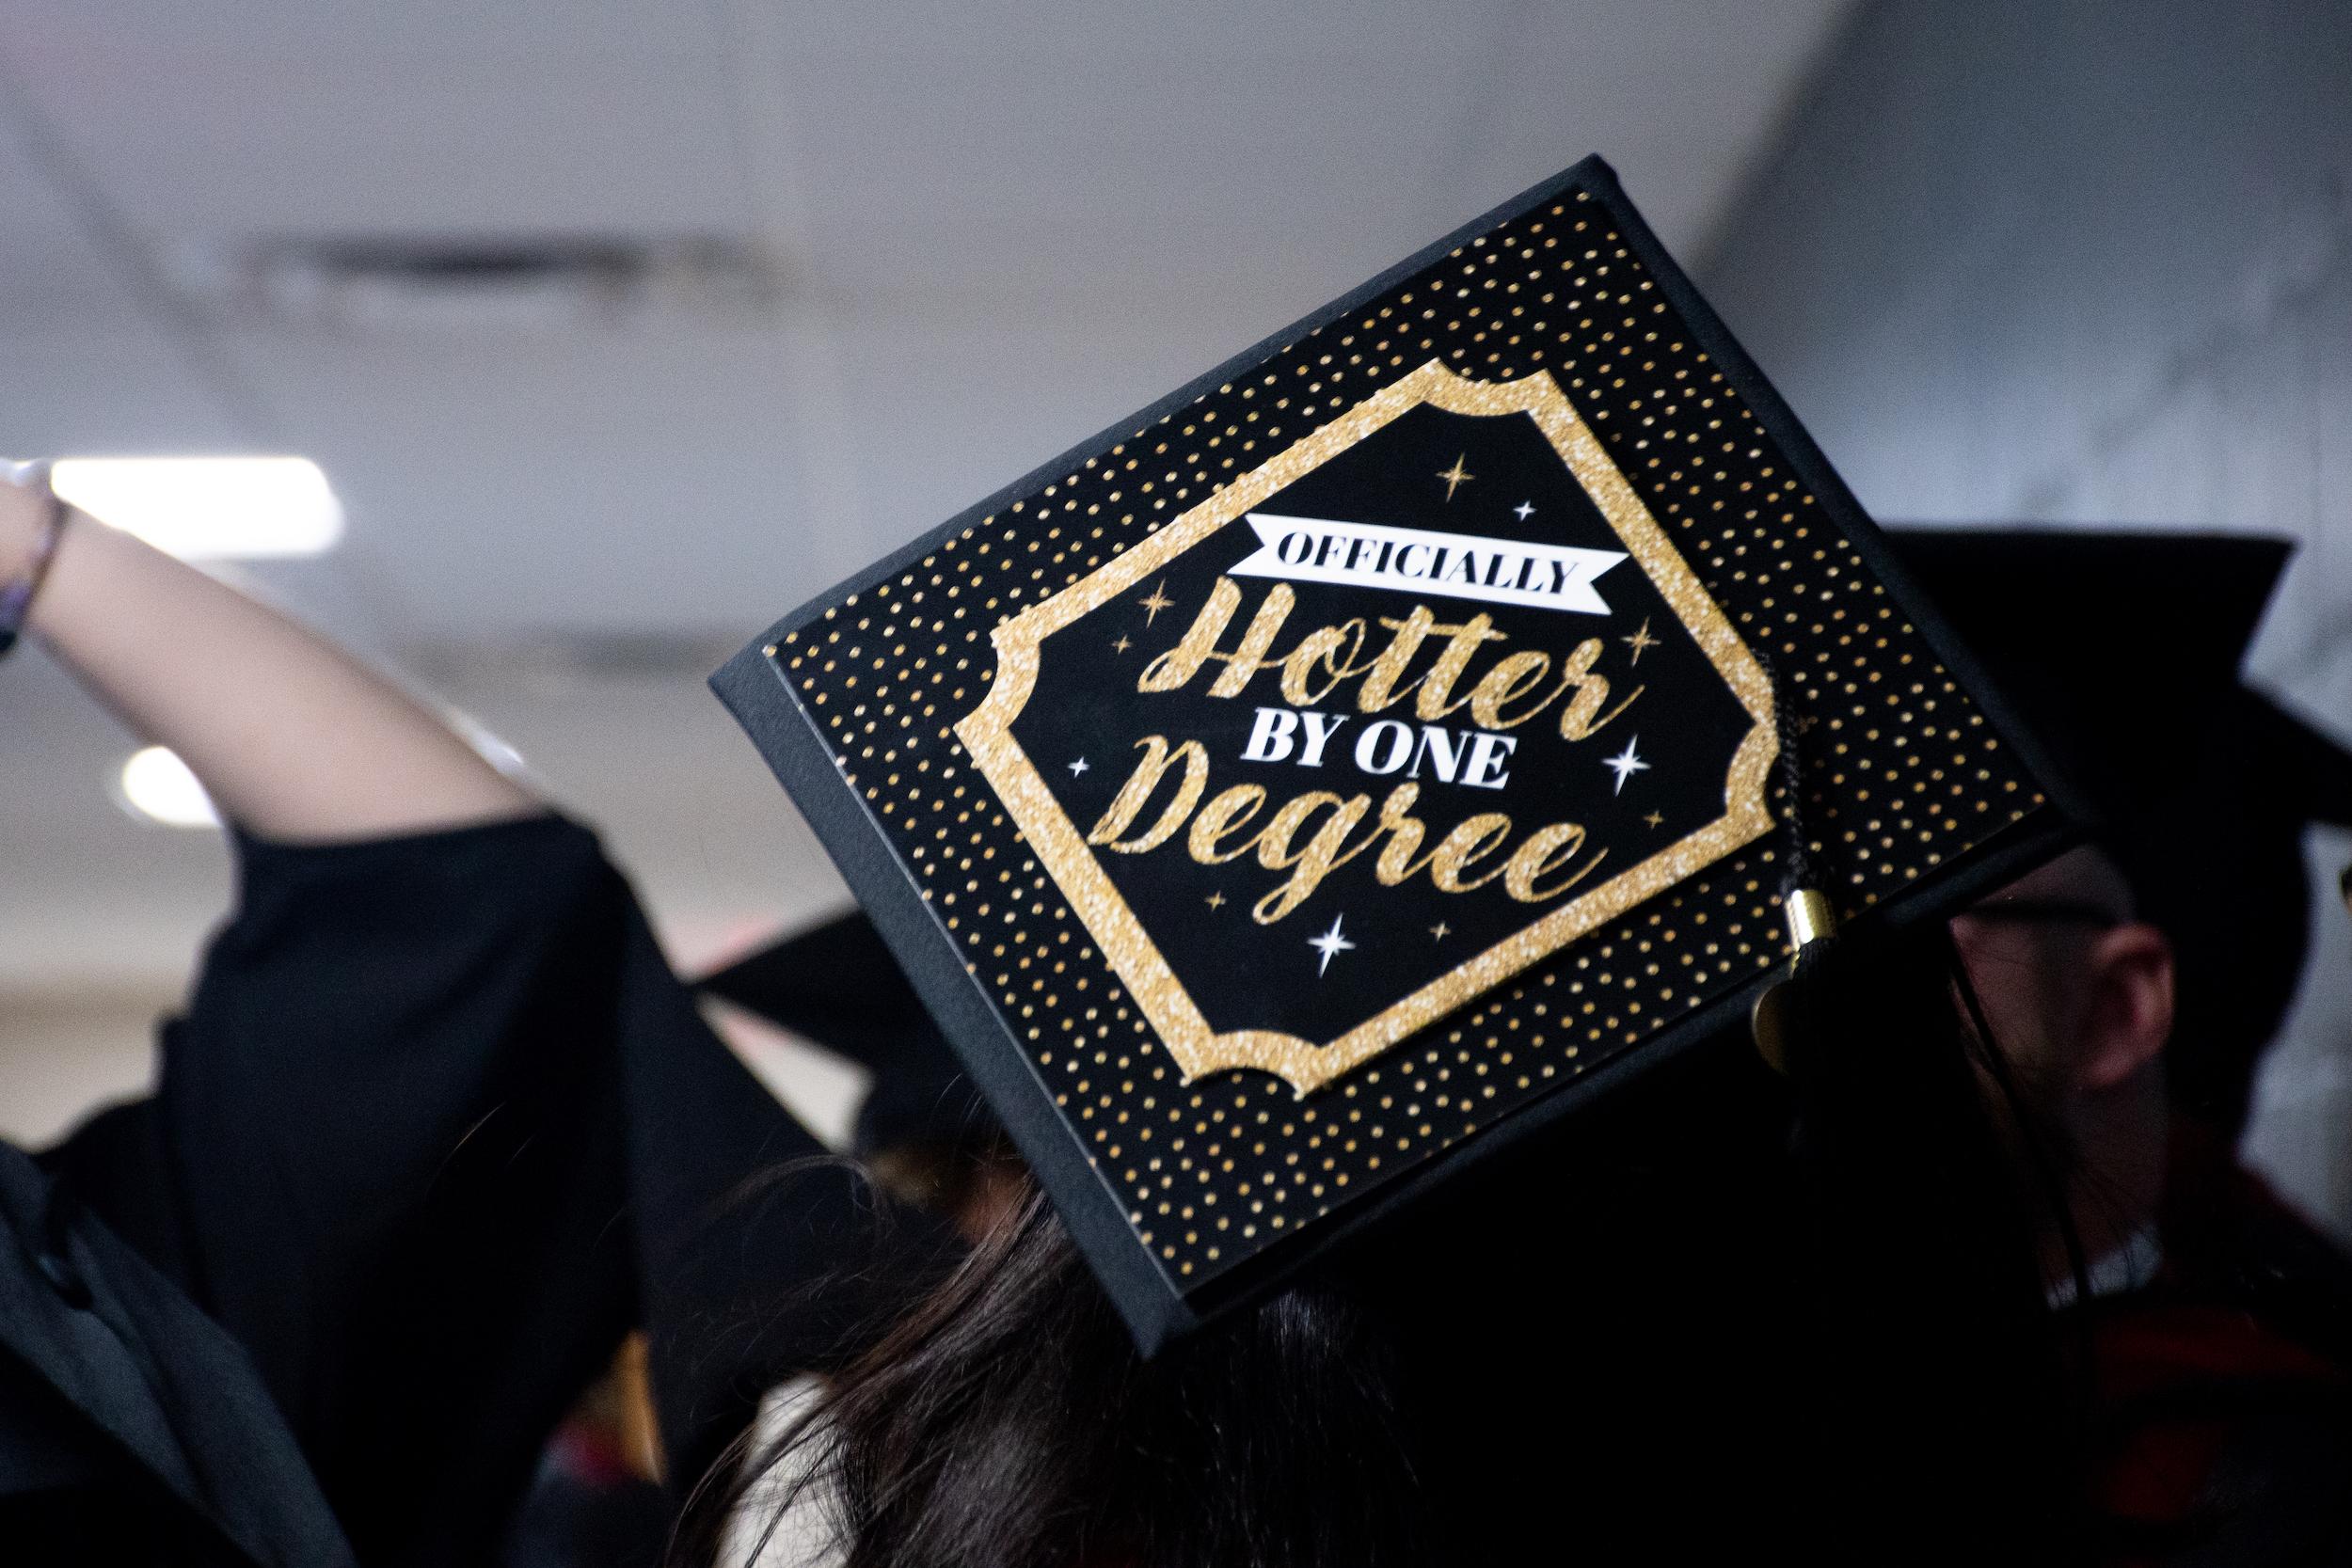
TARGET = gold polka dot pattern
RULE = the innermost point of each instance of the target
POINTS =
(1902, 771)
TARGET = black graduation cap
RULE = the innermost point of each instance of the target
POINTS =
(835, 984)
(1401, 735)
(2123, 649)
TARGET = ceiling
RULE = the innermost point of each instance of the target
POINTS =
(981, 231)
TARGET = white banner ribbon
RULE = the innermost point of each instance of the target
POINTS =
(1416, 561)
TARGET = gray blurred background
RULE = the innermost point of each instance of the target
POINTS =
(621, 326)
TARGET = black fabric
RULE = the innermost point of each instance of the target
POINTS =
(138, 1428)
(437, 1128)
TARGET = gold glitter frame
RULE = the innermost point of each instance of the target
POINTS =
(1062, 850)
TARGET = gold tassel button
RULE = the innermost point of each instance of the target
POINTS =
(1810, 917)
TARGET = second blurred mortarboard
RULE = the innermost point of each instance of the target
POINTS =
(2122, 649)
(838, 985)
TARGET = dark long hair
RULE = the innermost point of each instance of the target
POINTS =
(1006, 1420)
(1738, 1312)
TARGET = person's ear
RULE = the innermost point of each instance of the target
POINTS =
(2128, 1012)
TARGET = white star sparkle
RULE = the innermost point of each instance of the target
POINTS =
(1523, 510)
(1078, 767)
(1625, 764)
(1329, 945)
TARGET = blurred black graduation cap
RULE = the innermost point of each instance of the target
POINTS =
(2122, 650)
(836, 985)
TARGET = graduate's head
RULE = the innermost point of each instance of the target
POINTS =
(1646, 1302)
(2078, 994)
(2077, 988)
(2122, 651)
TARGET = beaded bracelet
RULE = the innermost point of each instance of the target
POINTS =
(16, 595)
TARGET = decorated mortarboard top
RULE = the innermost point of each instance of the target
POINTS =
(1349, 764)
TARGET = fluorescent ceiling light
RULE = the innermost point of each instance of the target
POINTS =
(157, 785)
(209, 508)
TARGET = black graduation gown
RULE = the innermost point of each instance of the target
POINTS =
(437, 1128)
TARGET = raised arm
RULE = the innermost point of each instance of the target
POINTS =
(293, 738)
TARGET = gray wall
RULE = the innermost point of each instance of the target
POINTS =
(2092, 263)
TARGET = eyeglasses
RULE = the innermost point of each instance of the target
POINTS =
(2046, 911)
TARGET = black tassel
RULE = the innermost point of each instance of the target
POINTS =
(1778, 1016)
